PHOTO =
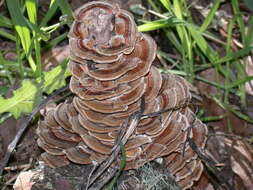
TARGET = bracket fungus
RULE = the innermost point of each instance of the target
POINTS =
(111, 65)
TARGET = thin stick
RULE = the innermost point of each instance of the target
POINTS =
(17, 167)
(107, 163)
(126, 130)
(156, 114)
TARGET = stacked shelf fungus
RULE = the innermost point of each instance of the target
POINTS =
(111, 64)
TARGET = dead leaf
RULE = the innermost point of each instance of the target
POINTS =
(236, 155)
(24, 182)
(249, 71)
(239, 126)
(54, 57)
(210, 75)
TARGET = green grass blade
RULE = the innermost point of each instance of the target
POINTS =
(21, 28)
(186, 40)
(7, 35)
(210, 16)
(5, 22)
(173, 39)
(31, 10)
(56, 40)
(19, 59)
(153, 5)
(50, 13)
(240, 81)
(239, 18)
(166, 57)
(65, 7)
(240, 67)
(176, 72)
(178, 9)
(228, 50)
(166, 4)
(202, 44)
(154, 25)
(213, 118)
(234, 55)
(40, 33)
(158, 24)
(32, 14)
(5, 70)
(239, 114)
(37, 56)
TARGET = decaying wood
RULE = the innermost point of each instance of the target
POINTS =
(111, 65)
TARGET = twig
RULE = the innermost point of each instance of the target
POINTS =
(110, 173)
(24, 126)
(95, 167)
(156, 114)
(126, 130)
(17, 167)
(133, 122)
(122, 166)
(9, 182)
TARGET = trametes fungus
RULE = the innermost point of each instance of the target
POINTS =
(111, 65)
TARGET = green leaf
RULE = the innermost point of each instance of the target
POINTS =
(29, 94)
(22, 101)
(55, 78)
(3, 90)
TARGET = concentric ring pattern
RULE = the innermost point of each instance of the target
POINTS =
(111, 65)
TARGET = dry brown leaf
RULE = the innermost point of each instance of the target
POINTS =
(24, 182)
(54, 57)
(249, 71)
(233, 153)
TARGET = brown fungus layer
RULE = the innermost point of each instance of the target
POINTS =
(111, 65)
